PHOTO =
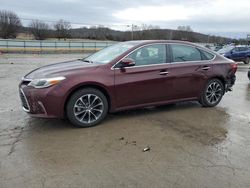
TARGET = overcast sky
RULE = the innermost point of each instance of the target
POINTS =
(222, 17)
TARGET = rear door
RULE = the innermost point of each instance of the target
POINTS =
(147, 81)
(191, 68)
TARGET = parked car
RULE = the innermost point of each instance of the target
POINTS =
(127, 75)
(238, 53)
(217, 48)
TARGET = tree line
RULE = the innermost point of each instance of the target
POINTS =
(10, 26)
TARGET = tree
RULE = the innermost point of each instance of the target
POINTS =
(62, 28)
(102, 32)
(143, 31)
(184, 28)
(9, 24)
(39, 29)
(184, 33)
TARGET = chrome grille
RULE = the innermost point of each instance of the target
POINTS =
(24, 101)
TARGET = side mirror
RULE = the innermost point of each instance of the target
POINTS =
(127, 62)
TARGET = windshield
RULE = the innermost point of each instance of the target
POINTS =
(225, 49)
(108, 54)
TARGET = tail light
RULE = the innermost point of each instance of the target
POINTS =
(234, 67)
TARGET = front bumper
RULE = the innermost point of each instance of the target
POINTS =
(46, 102)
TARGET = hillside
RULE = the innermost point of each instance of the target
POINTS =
(102, 33)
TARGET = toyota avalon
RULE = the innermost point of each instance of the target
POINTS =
(127, 75)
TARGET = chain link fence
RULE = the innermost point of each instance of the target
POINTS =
(50, 46)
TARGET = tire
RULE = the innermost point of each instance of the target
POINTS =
(213, 93)
(87, 107)
(247, 60)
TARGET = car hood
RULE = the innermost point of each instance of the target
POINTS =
(60, 69)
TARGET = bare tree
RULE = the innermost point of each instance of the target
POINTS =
(62, 28)
(102, 32)
(149, 31)
(184, 28)
(9, 24)
(184, 33)
(39, 29)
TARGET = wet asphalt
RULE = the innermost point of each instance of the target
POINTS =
(190, 146)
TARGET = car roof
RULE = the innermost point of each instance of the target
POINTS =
(245, 46)
(139, 43)
(143, 42)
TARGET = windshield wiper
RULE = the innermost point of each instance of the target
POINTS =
(85, 60)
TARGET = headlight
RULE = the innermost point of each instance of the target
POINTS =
(45, 82)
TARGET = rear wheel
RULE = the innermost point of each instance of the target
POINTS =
(87, 107)
(247, 60)
(213, 93)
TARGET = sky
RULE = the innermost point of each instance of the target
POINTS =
(229, 18)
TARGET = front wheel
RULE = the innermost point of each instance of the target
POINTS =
(87, 107)
(212, 94)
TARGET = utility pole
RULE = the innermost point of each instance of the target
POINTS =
(208, 38)
(248, 38)
(171, 34)
(132, 32)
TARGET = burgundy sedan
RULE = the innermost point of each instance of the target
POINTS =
(127, 75)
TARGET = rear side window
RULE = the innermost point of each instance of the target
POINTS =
(206, 55)
(182, 53)
(240, 49)
(243, 49)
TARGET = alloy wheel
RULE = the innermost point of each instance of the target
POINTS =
(214, 92)
(88, 108)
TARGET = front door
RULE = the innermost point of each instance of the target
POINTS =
(146, 82)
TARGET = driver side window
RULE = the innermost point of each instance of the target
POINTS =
(235, 50)
(152, 54)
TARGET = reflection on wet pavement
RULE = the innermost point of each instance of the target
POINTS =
(188, 120)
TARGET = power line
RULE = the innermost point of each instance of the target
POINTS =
(76, 23)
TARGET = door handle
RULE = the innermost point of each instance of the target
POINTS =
(163, 72)
(205, 68)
